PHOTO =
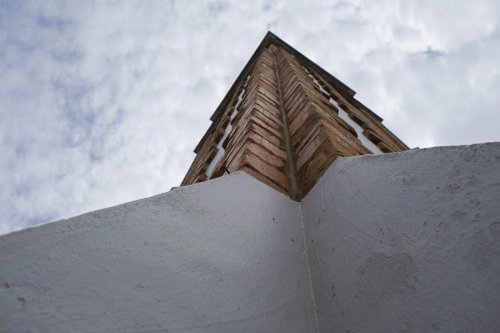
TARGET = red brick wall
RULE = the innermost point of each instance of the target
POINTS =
(286, 132)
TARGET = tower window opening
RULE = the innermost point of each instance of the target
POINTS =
(346, 117)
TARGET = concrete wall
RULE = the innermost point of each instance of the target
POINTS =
(406, 242)
(221, 256)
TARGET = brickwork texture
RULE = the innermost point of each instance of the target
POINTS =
(284, 121)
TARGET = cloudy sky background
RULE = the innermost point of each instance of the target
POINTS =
(103, 102)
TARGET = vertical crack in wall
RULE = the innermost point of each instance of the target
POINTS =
(292, 177)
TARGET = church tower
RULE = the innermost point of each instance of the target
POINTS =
(284, 121)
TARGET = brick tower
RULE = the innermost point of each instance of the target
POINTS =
(284, 121)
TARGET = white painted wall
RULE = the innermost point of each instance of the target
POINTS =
(402, 242)
(220, 256)
(408, 242)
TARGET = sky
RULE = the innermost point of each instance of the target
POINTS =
(103, 102)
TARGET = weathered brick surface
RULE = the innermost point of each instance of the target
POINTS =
(318, 134)
(359, 113)
(255, 143)
(286, 131)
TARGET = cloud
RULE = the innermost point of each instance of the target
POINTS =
(103, 103)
